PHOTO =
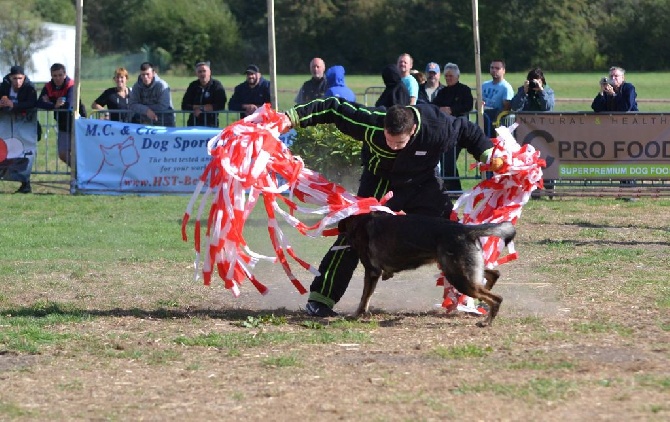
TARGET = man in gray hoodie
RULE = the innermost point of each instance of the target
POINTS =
(150, 98)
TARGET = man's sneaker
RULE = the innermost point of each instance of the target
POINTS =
(24, 188)
(318, 309)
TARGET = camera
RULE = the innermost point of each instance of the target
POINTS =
(532, 84)
(606, 81)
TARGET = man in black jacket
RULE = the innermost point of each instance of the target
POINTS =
(251, 94)
(204, 96)
(18, 96)
(401, 147)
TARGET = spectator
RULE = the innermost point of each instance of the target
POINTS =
(428, 91)
(419, 76)
(615, 94)
(337, 86)
(455, 99)
(534, 94)
(496, 94)
(18, 96)
(316, 86)
(204, 96)
(395, 91)
(57, 95)
(405, 63)
(150, 98)
(115, 98)
(251, 94)
(401, 147)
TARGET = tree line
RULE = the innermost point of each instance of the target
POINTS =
(365, 35)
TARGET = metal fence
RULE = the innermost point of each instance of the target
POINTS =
(59, 174)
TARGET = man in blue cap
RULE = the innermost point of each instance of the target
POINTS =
(429, 90)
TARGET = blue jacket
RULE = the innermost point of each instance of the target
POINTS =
(624, 100)
(337, 86)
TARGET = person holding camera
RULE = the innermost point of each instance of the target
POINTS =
(615, 94)
(534, 94)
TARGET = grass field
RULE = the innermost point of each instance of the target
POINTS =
(101, 319)
(574, 91)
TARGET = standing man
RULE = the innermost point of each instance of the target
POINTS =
(405, 63)
(496, 93)
(150, 98)
(316, 86)
(428, 91)
(615, 93)
(401, 147)
(204, 96)
(251, 94)
(18, 97)
(57, 95)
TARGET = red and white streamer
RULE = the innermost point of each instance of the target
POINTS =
(248, 162)
(500, 198)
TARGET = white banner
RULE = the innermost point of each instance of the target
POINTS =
(117, 157)
(18, 140)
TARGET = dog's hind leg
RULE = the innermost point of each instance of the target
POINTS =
(491, 277)
(469, 283)
(369, 285)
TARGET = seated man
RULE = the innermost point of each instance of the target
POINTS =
(203, 96)
(251, 94)
(150, 98)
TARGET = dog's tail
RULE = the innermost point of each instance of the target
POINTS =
(504, 230)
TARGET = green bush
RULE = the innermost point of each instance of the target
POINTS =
(328, 151)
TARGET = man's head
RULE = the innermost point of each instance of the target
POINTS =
(404, 63)
(120, 77)
(17, 76)
(147, 73)
(617, 76)
(432, 74)
(451, 74)
(317, 67)
(399, 126)
(203, 72)
(58, 74)
(497, 69)
(253, 75)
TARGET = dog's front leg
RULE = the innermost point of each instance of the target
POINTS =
(369, 285)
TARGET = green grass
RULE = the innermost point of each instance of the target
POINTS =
(462, 352)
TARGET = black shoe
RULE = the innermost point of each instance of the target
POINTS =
(24, 188)
(318, 309)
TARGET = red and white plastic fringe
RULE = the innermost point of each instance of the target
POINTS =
(247, 160)
(495, 200)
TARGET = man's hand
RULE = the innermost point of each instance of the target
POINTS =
(151, 115)
(496, 164)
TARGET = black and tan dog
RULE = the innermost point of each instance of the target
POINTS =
(387, 244)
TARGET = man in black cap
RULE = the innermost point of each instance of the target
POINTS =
(18, 96)
(250, 95)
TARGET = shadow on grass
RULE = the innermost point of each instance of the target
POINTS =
(54, 309)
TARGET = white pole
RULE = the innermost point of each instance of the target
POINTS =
(478, 62)
(272, 56)
(77, 96)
